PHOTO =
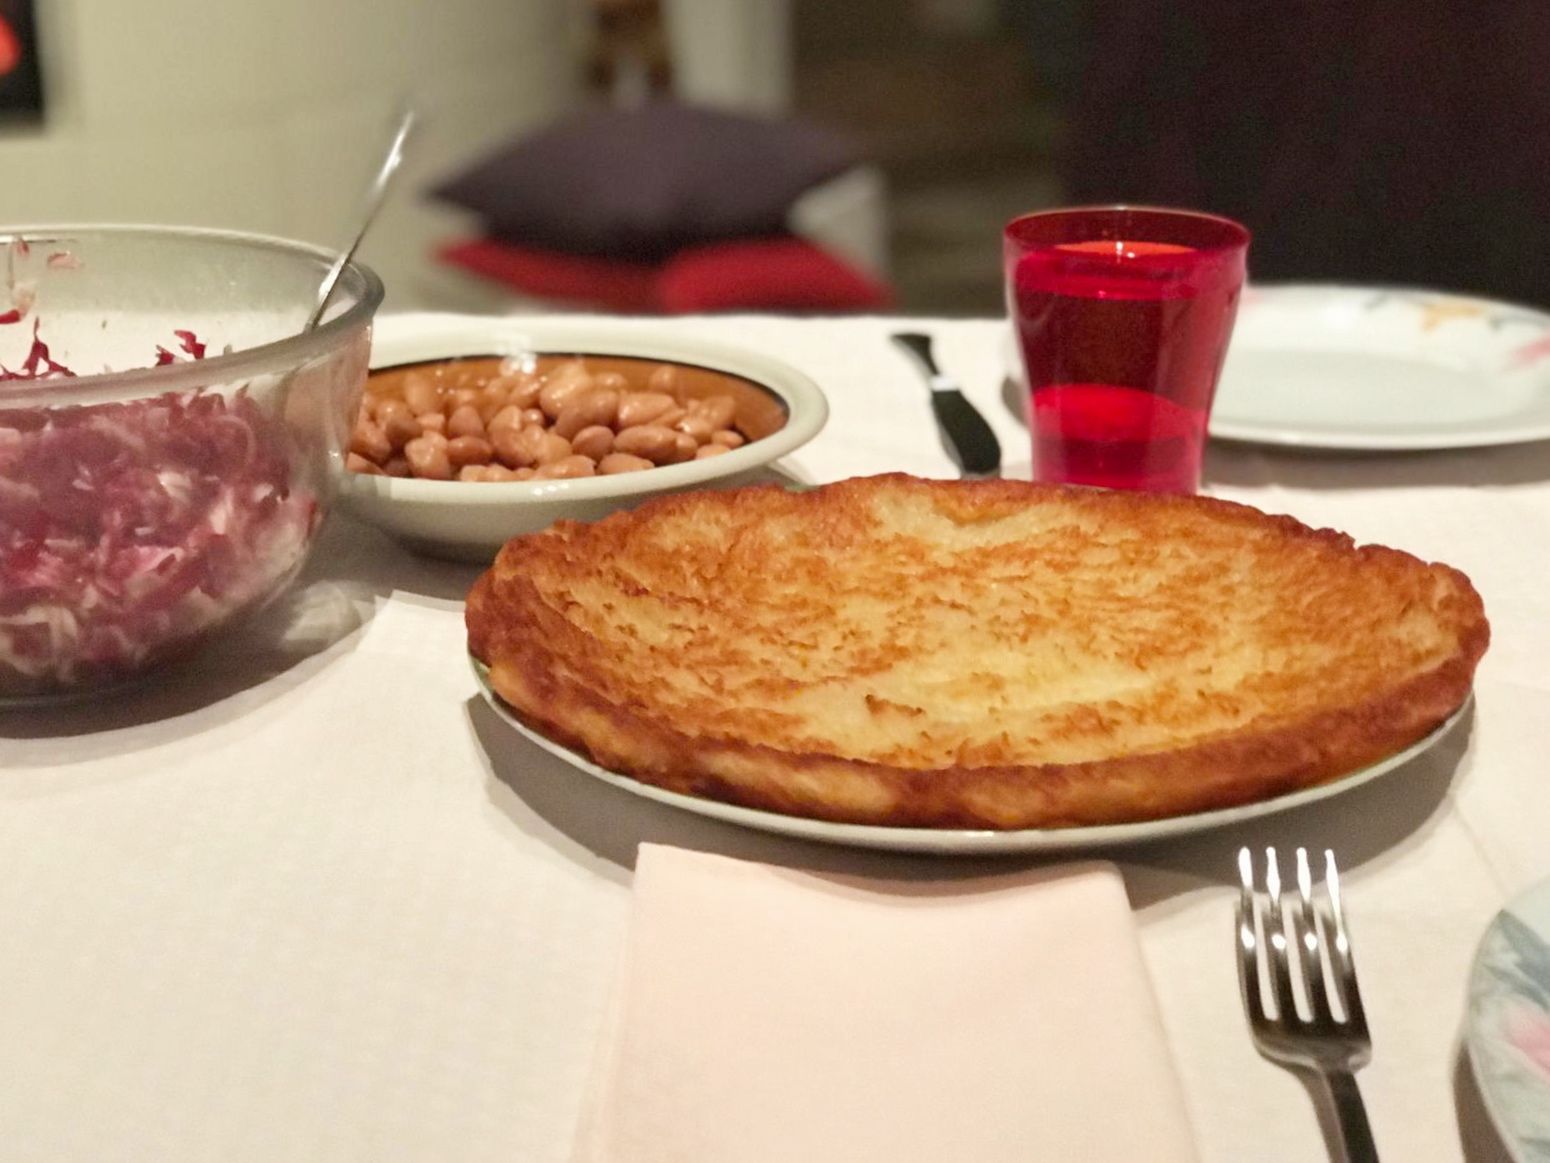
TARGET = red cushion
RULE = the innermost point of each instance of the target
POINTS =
(546, 274)
(764, 275)
(767, 274)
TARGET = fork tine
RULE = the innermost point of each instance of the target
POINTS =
(1248, 940)
(1308, 943)
(1275, 939)
(1340, 958)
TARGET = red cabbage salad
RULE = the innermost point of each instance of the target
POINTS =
(128, 528)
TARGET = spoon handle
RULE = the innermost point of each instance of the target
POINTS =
(374, 199)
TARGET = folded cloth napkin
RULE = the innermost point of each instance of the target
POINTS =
(768, 1015)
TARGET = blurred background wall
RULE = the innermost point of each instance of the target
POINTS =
(1376, 141)
(270, 115)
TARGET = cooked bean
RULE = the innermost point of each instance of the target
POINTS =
(643, 408)
(596, 441)
(585, 409)
(508, 417)
(369, 441)
(421, 393)
(564, 382)
(672, 416)
(719, 410)
(566, 421)
(617, 462)
(465, 450)
(552, 448)
(485, 473)
(394, 413)
(697, 426)
(518, 449)
(684, 448)
(566, 468)
(466, 421)
(652, 441)
(494, 396)
(427, 457)
(663, 379)
(463, 375)
(525, 389)
(401, 428)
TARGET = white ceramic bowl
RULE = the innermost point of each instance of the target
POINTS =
(470, 521)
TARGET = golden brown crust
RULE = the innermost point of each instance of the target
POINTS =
(989, 654)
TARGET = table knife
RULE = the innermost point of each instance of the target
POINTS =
(966, 434)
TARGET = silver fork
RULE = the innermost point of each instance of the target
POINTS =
(1315, 1021)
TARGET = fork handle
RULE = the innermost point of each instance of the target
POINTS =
(1354, 1130)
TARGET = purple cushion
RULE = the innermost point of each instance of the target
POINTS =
(641, 183)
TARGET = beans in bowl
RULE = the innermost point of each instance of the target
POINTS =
(551, 417)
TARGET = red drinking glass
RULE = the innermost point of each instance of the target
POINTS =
(1122, 316)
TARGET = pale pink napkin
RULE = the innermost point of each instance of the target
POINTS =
(768, 1015)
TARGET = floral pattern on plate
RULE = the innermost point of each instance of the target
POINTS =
(1509, 1024)
(1375, 369)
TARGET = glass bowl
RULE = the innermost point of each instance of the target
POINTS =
(169, 439)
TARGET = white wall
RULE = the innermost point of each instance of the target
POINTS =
(734, 54)
(270, 115)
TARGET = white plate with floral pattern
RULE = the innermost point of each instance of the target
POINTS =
(1508, 1029)
(1379, 368)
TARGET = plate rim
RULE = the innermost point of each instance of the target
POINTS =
(966, 841)
(1241, 431)
(1475, 1040)
(1486, 435)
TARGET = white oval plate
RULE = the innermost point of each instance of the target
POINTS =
(1377, 368)
(962, 841)
(1508, 1026)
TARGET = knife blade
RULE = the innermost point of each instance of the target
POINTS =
(966, 434)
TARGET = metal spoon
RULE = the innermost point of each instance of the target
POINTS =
(375, 196)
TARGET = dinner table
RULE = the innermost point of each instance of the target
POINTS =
(306, 896)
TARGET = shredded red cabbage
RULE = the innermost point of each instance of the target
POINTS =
(37, 365)
(127, 529)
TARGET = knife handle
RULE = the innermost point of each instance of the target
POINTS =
(966, 435)
(971, 442)
(919, 346)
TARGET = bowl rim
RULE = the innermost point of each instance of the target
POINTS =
(807, 408)
(250, 361)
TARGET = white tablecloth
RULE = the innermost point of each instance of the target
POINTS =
(309, 898)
